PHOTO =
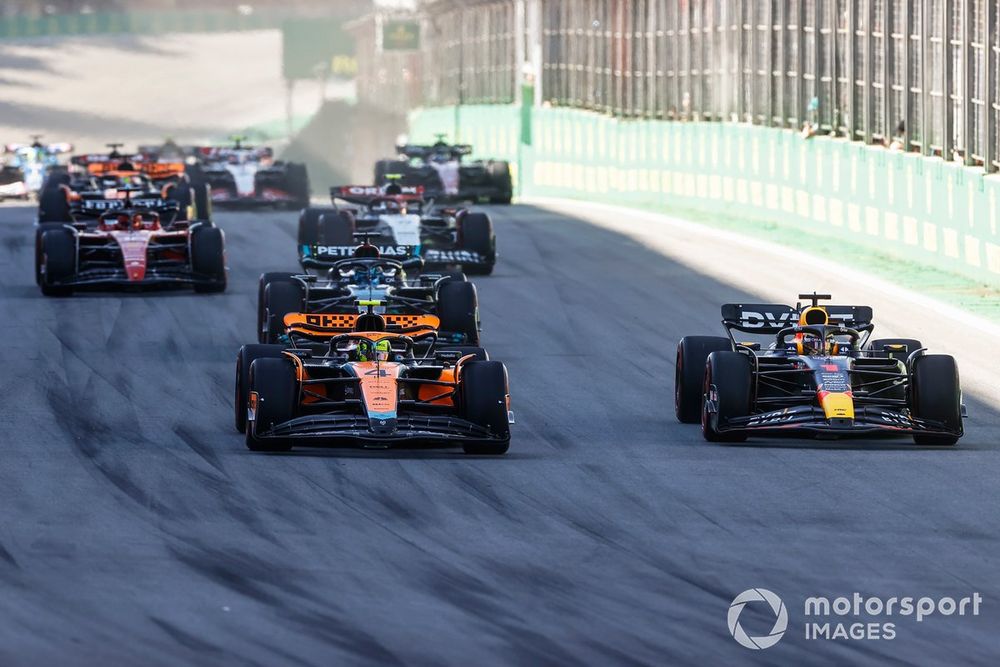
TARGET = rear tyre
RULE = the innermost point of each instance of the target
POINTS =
(936, 394)
(337, 229)
(298, 185)
(265, 280)
(58, 261)
(309, 224)
(458, 309)
(208, 258)
(478, 236)
(277, 397)
(53, 205)
(689, 374)
(484, 402)
(180, 192)
(499, 171)
(730, 374)
(280, 298)
(246, 356)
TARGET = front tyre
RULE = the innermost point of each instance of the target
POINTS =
(277, 391)
(477, 236)
(728, 383)
(936, 395)
(484, 402)
(458, 309)
(244, 358)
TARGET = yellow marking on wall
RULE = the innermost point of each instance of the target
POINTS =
(949, 238)
(930, 237)
(871, 220)
(854, 217)
(910, 236)
(836, 213)
(891, 226)
(993, 257)
(819, 208)
(972, 245)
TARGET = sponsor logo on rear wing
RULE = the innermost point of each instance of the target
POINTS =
(335, 252)
(770, 318)
(363, 192)
(115, 204)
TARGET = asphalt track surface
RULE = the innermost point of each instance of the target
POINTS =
(137, 529)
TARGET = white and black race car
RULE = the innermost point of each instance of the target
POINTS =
(445, 173)
(242, 175)
(402, 224)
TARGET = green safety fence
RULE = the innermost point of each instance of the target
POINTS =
(142, 23)
(914, 208)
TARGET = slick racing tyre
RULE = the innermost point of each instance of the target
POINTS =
(280, 298)
(337, 229)
(689, 374)
(728, 380)
(458, 309)
(499, 172)
(180, 193)
(309, 224)
(40, 229)
(277, 392)
(298, 185)
(484, 402)
(936, 395)
(208, 258)
(58, 253)
(53, 205)
(246, 356)
(477, 236)
(265, 280)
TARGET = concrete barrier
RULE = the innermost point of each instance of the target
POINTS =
(140, 23)
(917, 209)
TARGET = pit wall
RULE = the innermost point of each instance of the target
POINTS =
(917, 209)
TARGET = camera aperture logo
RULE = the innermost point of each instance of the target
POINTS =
(857, 617)
(780, 618)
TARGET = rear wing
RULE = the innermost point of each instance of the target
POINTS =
(422, 150)
(226, 152)
(770, 318)
(332, 324)
(365, 194)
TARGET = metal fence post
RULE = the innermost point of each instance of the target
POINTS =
(868, 96)
(968, 78)
(926, 83)
(989, 86)
(907, 75)
(947, 80)
(852, 74)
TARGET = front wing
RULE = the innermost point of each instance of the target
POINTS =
(868, 421)
(354, 431)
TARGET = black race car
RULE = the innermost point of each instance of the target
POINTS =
(443, 172)
(819, 375)
(402, 224)
(335, 288)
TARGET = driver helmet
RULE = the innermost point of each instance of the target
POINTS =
(369, 350)
(810, 343)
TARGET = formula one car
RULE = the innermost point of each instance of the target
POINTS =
(441, 170)
(250, 176)
(97, 183)
(359, 381)
(337, 288)
(821, 375)
(403, 224)
(130, 247)
(28, 166)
